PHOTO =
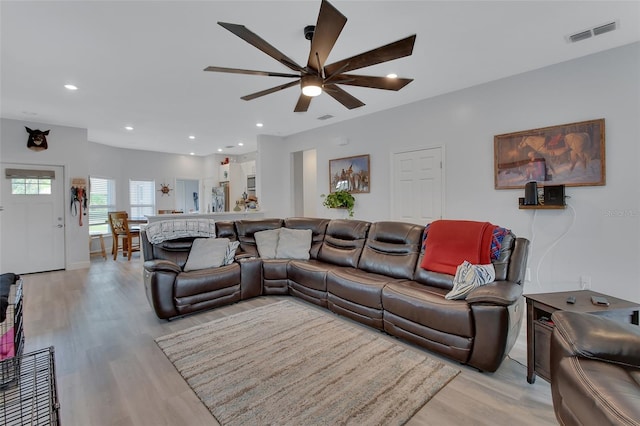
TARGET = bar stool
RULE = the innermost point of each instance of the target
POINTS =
(99, 237)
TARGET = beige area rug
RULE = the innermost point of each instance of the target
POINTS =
(288, 363)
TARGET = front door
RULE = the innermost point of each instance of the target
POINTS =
(31, 219)
(417, 186)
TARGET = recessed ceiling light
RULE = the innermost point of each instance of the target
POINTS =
(219, 149)
(392, 75)
(129, 128)
(192, 153)
(240, 144)
(259, 124)
(70, 87)
(192, 137)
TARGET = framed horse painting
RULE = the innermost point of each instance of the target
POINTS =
(569, 154)
(350, 174)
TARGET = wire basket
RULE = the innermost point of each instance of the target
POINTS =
(12, 338)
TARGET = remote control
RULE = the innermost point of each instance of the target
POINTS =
(571, 300)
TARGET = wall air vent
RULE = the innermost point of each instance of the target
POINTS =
(591, 32)
(580, 36)
(604, 28)
(325, 117)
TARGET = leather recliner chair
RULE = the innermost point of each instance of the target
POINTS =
(595, 370)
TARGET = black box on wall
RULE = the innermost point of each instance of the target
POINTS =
(554, 195)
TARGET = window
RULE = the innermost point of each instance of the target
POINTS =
(31, 186)
(142, 197)
(102, 199)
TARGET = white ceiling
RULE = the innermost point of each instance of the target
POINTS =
(140, 63)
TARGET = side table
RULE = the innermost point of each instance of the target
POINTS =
(539, 324)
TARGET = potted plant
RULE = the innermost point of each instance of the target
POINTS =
(339, 200)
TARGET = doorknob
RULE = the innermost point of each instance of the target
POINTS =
(60, 226)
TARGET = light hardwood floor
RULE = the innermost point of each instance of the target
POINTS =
(110, 371)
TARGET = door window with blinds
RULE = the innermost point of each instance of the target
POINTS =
(30, 182)
(102, 199)
(142, 198)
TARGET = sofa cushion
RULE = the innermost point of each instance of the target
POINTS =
(357, 286)
(267, 242)
(427, 306)
(318, 228)
(391, 249)
(206, 253)
(246, 230)
(343, 242)
(311, 274)
(293, 244)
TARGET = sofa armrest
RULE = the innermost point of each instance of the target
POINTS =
(503, 293)
(599, 338)
(161, 266)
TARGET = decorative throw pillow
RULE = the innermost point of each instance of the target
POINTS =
(267, 242)
(230, 255)
(468, 277)
(294, 244)
(206, 253)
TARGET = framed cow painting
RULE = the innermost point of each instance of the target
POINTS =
(568, 154)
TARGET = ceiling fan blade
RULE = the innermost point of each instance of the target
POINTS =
(343, 97)
(385, 83)
(303, 103)
(389, 52)
(251, 72)
(258, 42)
(269, 91)
(328, 28)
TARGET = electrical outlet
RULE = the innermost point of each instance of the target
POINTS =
(585, 282)
(527, 275)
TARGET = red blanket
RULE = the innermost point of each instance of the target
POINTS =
(451, 242)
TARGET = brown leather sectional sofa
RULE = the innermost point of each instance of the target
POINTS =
(595, 370)
(369, 272)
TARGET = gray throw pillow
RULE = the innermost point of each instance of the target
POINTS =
(206, 253)
(266, 242)
(294, 244)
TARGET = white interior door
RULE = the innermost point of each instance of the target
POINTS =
(417, 186)
(32, 221)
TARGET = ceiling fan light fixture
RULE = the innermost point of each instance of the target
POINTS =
(311, 85)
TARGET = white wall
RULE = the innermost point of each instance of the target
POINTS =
(309, 183)
(125, 164)
(67, 148)
(601, 239)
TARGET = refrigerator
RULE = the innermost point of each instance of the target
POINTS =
(220, 198)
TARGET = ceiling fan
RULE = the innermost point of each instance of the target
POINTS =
(317, 77)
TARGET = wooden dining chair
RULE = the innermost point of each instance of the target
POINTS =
(122, 233)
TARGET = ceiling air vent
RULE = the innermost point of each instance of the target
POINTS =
(595, 31)
(325, 117)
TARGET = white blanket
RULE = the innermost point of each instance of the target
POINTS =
(164, 230)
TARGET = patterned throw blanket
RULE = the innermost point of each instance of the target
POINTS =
(164, 230)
